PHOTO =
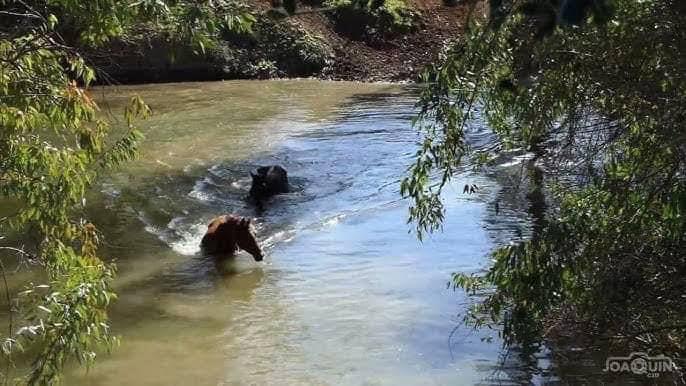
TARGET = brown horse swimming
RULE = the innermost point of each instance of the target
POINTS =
(225, 234)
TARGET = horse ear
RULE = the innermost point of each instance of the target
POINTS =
(245, 222)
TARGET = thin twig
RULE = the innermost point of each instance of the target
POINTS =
(29, 15)
(10, 326)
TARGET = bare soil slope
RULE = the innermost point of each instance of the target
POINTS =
(396, 59)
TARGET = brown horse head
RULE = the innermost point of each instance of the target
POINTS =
(245, 238)
(227, 233)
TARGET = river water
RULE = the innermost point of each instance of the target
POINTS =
(345, 295)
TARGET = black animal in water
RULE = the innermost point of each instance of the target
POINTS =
(268, 181)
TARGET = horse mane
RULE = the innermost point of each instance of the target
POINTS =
(221, 234)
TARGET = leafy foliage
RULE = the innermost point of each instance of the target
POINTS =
(274, 49)
(372, 18)
(53, 145)
(597, 93)
(268, 48)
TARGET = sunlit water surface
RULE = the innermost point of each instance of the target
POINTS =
(345, 296)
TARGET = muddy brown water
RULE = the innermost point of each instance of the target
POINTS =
(345, 295)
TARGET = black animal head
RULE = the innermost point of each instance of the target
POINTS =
(259, 188)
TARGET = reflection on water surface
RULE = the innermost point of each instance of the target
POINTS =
(345, 296)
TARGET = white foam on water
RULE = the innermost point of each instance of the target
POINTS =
(189, 244)
(178, 235)
(241, 184)
(517, 160)
(216, 170)
(199, 190)
(279, 237)
(333, 220)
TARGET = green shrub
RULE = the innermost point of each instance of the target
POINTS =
(364, 19)
(294, 51)
(289, 50)
(263, 69)
(596, 90)
(270, 49)
(54, 146)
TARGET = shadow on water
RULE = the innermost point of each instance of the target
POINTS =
(517, 212)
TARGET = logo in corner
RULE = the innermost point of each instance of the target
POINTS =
(640, 363)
